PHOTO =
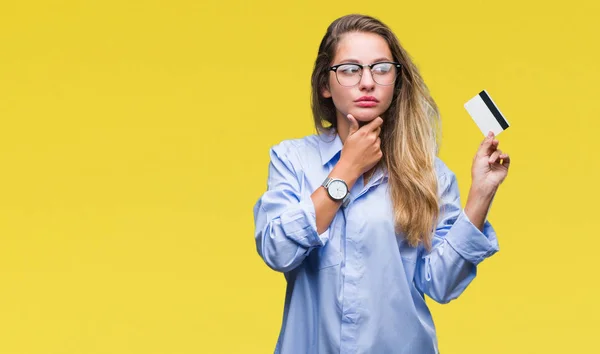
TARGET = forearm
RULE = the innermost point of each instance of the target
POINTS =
(478, 204)
(325, 207)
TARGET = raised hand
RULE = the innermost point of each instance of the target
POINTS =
(362, 147)
(490, 165)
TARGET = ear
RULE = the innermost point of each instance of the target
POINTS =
(325, 92)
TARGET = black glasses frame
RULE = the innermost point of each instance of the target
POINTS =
(362, 66)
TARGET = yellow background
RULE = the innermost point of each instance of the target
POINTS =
(134, 141)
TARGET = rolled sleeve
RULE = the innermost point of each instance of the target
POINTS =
(285, 218)
(299, 224)
(471, 243)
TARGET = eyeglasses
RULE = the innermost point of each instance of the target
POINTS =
(383, 73)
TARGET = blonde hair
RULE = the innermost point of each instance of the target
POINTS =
(409, 132)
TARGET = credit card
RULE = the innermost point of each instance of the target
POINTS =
(486, 114)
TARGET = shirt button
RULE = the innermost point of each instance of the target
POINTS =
(350, 317)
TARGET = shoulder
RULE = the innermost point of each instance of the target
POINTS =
(294, 150)
(444, 173)
(441, 168)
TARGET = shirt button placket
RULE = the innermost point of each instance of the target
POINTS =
(350, 301)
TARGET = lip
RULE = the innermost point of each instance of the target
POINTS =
(366, 104)
(367, 99)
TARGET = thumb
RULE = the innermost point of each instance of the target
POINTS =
(353, 124)
(488, 145)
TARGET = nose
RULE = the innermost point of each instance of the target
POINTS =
(366, 80)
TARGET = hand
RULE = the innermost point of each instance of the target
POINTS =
(490, 165)
(362, 147)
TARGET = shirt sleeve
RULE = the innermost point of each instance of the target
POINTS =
(284, 217)
(458, 247)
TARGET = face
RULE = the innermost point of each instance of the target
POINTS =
(360, 48)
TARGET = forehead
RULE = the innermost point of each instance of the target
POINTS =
(362, 46)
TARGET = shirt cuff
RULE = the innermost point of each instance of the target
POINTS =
(300, 224)
(472, 244)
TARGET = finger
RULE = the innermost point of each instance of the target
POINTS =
(505, 160)
(487, 145)
(374, 124)
(353, 124)
(378, 131)
(494, 156)
(378, 142)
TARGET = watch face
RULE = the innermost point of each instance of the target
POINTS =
(337, 190)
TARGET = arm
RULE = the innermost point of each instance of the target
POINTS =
(478, 205)
(463, 238)
(286, 221)
(490, 168)
(458, 247)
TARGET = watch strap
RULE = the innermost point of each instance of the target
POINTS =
(346, 200)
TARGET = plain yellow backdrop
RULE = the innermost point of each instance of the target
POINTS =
(134, 140)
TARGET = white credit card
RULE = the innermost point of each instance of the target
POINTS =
(486, 114)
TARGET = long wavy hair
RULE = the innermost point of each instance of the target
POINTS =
(409, 133)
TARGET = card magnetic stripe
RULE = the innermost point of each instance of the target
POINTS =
(492, 107)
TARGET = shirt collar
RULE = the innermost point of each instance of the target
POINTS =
(330, 145)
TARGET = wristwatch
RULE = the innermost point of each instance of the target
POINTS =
(337, 189)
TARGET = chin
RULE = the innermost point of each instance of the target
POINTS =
(365, 116)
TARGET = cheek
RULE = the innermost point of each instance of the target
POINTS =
(340, 96)
(387, 97)
(390, 93)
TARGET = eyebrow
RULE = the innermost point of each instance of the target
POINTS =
(358, 61)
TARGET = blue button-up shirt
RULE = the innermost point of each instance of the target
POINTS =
(359, 287)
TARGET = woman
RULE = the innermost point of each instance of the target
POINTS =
(363, 218)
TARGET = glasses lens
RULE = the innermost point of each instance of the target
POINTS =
(384, 73)
(348, 74)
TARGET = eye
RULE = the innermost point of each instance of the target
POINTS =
(348, 69)
(382, 68)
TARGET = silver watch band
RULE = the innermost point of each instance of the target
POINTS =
(346, 200)
(326, 182)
